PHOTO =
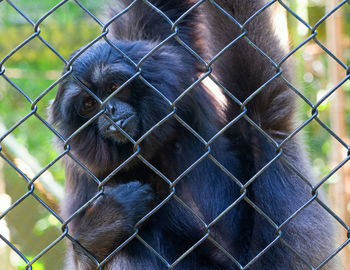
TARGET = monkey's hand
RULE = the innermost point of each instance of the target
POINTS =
(135, 199)
(111, 218)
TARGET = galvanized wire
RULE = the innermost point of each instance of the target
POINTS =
(32, 105)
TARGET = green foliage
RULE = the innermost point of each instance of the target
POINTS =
(312, 79)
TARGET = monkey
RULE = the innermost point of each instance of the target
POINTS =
(152, 140)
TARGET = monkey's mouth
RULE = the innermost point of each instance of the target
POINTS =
(128, 123)
(122, 122)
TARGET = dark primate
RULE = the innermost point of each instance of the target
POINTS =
(167, 152)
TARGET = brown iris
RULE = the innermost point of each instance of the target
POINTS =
(89, 104)
(113, 87)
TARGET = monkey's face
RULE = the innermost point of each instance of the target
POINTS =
(115, 118)
(104, 106)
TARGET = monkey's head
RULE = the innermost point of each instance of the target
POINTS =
(101, 119)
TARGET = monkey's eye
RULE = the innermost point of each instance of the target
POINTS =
(89, 104)
(113, 87)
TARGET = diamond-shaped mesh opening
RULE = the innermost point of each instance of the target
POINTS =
(191, 156)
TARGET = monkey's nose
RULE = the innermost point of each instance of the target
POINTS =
(117, 110)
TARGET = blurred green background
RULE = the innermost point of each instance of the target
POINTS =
(29, 226)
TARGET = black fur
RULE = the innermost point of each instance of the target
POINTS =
(171, 148)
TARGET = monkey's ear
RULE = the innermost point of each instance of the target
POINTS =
(52, 111)
(54, 107)
(49, 110)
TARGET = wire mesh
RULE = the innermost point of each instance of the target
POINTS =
(207, 236)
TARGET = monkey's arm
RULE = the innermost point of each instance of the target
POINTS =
(143, 22)
(243, 69)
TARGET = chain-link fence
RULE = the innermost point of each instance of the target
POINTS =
(40, 189)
